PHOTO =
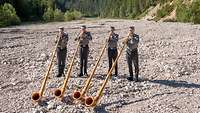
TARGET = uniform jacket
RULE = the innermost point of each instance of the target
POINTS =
(133, 42)
(63, 41)
(112, 41)
(85, 39)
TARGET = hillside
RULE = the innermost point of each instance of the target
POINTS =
(171, 11)
(15, 12)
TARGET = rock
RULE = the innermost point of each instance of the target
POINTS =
(21, 60)
(37, 111)
(126, 88)
(59, 107)
(51, 105)
(43, 57)
(4, 62)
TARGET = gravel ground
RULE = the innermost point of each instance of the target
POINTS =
(169, 58)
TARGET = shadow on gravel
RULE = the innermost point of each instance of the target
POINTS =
(174, 83)
(44, 101)
(68, 100)
(101, 108)
(13, 46)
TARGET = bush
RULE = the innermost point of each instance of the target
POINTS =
(166, 10)
(195, 12)
(48, 15)
(183, 13)
(77, 14)
(72, 15)
(58, 15)
(69, 16)
(8, 15)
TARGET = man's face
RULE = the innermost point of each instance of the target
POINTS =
(131, 30)
(112, 29)
(61, 30)
(83, 29)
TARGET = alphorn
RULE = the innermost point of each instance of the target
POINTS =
(79, 95)
(36, 96)
(59, 93)
(92, 101)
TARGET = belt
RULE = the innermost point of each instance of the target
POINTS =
(62, 48)
(132, 50)
(112, 48)
(84, 45)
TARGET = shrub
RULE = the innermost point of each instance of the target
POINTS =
(69, 16)
(58, 15)
(48, 15)
(8, 15)
(165, 10)
(183, 13)
(72, 15)
(169, 20)
(195, 12)
(77, 14)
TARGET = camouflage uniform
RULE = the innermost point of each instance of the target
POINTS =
(112, 51)
(84, 51)
(132, 54)
(62, 53)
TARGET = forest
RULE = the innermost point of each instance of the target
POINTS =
(16, 11)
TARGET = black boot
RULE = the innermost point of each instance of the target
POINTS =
(59, 72)
(62, 71)
(86, 74)
(116, 74)
(59, 75)
(136, 78)
(130, 78)
(80, 74)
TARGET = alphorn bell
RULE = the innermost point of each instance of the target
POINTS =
(59, 93)
(79, 95)
(92, 101)
(36, 96)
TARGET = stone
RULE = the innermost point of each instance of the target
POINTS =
(36, 111)
(43, 57)
(51, 105)
(59, 107)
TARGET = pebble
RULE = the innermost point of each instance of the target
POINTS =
(21, 60)
(59, 107)
(43, 57)
(37, 111)
(51, 105)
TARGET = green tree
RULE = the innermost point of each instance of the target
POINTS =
(8, 15)
(48, 15)
(74, 15)
(183, 13)
(58, 15)
(195, 12)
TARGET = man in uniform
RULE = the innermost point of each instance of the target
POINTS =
(61, 50)
(112, 48)
(84, 39)
(132, 53)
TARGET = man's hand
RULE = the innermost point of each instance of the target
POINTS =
(129, 34)
(110, 35)
(57, 38)
(81, 35)
(125, 41)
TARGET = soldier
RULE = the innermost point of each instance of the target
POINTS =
(84, 39)
(61, 50)
(132, 53)
(112, 48)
